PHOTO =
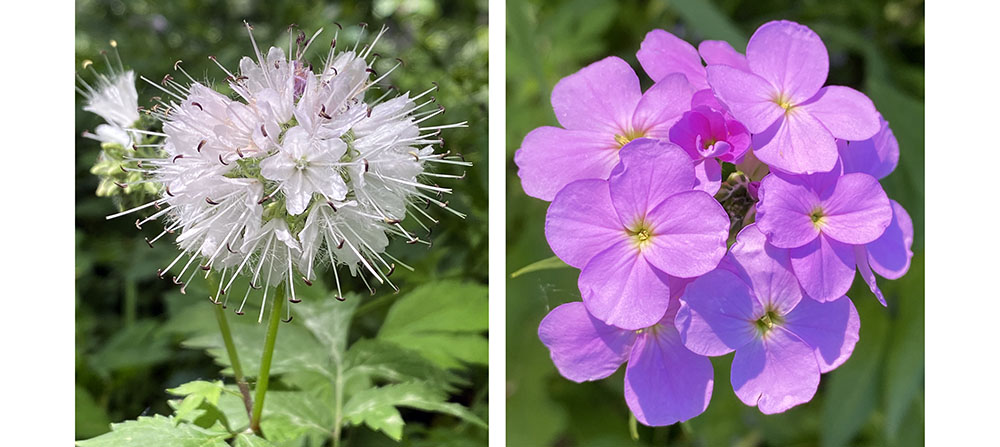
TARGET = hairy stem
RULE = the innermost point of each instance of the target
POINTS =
(265, 362)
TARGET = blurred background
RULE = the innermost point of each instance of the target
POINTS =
(129, 324)
(876, 398)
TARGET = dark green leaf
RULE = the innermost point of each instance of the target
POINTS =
(375, 407)
(158, 431)
(545, 264)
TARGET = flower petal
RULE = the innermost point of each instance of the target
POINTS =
(708, 175)
(890, 254)
(766, 268)
(717, 314)
(798, 143)
(581, 346)
(845, 112)
(776, 372)
(876, 156)
(600, 97)
(581, 222)
(662, 53)
(551, 158)
(717, 52)
(649, 172)
(662, 105)
(824, 267)
(791, 57)
(861, 258)
(858, 211)
(622, 289)
(783, 212)
(749, 97)
(830, 328)
(689, 232)
(664, 382)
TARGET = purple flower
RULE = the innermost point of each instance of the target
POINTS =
(752, 304)
(890, 254)
(601, 108)
(782, 101)
(664, 381)
(821, 218)
(662, 54)
(706, 134)
(628, 233)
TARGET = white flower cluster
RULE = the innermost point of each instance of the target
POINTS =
(112, 97)
(296, 171)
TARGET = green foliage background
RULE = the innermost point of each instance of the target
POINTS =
(874, 399)
(137, 336)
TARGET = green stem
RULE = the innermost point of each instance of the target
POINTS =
(338, 416)
(265, 362)
(234, 358)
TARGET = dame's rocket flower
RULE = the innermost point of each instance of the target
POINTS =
(708, 136)
(662, 54)
(820, 218)
(752, 304)
(301, 169)
(631, 232)
(601, 109)
(665, 382)
(782, 101)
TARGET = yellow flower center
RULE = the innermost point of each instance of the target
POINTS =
(627, 136)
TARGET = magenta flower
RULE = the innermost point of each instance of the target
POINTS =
(707, 134)
(752, 304)
(821, 218)
(601, 108)
(782, 101)
(890, 254)
(632, 231)
(664, 381)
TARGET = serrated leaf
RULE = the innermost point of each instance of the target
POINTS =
(329, 320)
(290, 415)
(375, 407)
(443, 321)
(248, 440)
(387, 361)
(545, 264)
(138, 345)
(196, 394)
(157, 430)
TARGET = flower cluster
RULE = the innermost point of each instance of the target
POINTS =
(299, 169)
(677, 263)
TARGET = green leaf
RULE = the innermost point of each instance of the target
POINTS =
(248, 440)
(375, 407)
(387, 361)
(195, 393)
(91, 419)
(710, 23)
(443, 321)
(852, 389)
(158, 431)
(291, 415)
(545, 264)
(135, 346)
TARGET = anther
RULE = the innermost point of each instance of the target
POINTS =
(308, 282)
(177, 64)
(369, 114)
(137, 225)
(415, 156)
(391, 221)
(363, 25)
(401, 62)
(340, 298)
(175, 280)
(205, 267)
(294, 300)
(372, 71)
(121, 185)
(255, 287)
(177, 157)
(222, 161)
(239, 152)
(330, 202)
(202, 144)
(210, 201)
(392, 268)
(150, 244)
(239, 312)
(289, 320)
(160, 273)
(230, 248)
(167, 190)
(122, 167)
(262, 131)
(196, 104)
(338, 26)
(413, 241)
(341, 244)
(166, 78)
(365, 160)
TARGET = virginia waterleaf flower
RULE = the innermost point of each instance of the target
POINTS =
(752, 304)
(302, 169)
(113, 97)
(601, 109)
(632, 231)
(781, 100)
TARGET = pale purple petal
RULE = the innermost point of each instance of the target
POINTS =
(766, 268)
(845, 112)
(830, 328)
(708, 176)
(662, 53)
(716, 52)
(707, 98)
(622, 289)
(789, 56)
(857, 212)
(783, 212)
(824, 267)
(689, 232)
(662, 105)
(749, 97)
(876, 156)
(717, 314)
(890, 254)
(797, 143)
(776, 372)
(861, 258)
(581, 346)
(649, 172)
(600, 97)
(664, 382)
(581, 222)
(551, 158)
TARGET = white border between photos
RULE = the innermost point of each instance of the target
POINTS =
(498, 223)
